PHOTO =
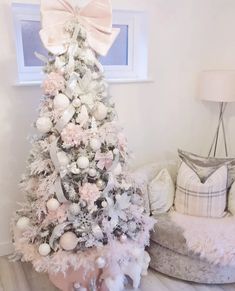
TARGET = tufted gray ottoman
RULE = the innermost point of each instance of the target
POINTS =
(170, 255)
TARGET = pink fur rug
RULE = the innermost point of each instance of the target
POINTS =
(212, 238)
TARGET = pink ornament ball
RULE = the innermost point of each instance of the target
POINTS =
(68, 241)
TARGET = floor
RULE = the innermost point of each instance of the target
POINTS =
(21, 277)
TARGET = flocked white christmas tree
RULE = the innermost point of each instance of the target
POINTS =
(82, 209)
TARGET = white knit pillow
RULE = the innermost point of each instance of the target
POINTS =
(201, 199)
(161, 193)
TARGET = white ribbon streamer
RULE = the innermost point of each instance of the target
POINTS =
(111, 177)
(65, 118)
(59, 191)
(53, 155)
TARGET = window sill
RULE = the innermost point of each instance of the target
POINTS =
(110, 81)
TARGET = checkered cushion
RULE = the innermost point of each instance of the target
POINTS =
(201, 199)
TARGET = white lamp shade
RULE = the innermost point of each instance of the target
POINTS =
(217, 86)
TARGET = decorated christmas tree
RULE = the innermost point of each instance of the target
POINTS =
(83, 221)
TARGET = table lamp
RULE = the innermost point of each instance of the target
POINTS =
(218, 86)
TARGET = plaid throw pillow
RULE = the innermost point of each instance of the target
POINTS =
(206, 199)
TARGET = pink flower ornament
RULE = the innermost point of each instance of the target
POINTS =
(89, 192)
(53, 84)
(72, 135)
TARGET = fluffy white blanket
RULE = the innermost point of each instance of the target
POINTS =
(213, 239)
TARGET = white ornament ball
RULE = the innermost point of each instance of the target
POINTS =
(76, 102)
(23, 223)
(92, 173)
(44, 124)
(118, 169)
(53, 204)
(44, 249)
(132, 226)
(104, 204)
(68, 241)
(63, 158)
(115, 151)
(95, 144)
(83, 162)
(74, 209)
(100, 112)
(100, 262)
(61, 101)
(123, 238)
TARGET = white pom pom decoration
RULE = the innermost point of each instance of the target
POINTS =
(132, 226)
(23, 223)
(68, 241)
(123, 238)
(100, 262)
(44, 124)
(100, 112)
(44, 249)
(74, 209)
(63, 158)
(83, 162)
(53, 204)
(61, 101)
(95, 144)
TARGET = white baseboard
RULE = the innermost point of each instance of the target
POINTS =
(6, 248)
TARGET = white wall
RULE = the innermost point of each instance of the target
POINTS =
(186, 36)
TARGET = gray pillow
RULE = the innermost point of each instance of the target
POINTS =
(204, 167)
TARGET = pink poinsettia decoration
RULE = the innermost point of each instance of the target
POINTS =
(53, 84)
(72, 135)
(89, 192)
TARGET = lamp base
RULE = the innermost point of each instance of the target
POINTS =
(220, 125)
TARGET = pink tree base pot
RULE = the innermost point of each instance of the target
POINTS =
(73, 280)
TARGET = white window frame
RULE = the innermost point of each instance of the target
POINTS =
(137, 68)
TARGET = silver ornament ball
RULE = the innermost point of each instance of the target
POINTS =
(100, 184)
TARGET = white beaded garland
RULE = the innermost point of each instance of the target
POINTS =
(100, 112)
(83, 162)
(44, 124)
(95, 144)
(44, 249)
(100, 262)
(63, 158)
(53, 204)
(92, 173)
(61, 101)
(68, 241)
(23, 222)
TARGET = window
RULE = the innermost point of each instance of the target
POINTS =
(126, 60)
